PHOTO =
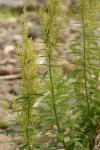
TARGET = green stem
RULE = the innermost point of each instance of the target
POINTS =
(53, 99)
(27, 127)
(90, 79)
(48, 44)
(84, 48)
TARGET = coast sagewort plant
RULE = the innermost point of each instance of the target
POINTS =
(87, 61)
(29, 89)
(72, 124)
(50, 29)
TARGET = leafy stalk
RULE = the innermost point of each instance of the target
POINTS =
(53, 99)
(50, 30)
(89, 12)
(87, 73)
(29, 89)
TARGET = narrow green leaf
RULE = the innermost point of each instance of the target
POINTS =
(23, 147)
(74, 73)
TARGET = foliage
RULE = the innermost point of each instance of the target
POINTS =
(50, 30)
(86, 85)
(29, 89)
(70, 110)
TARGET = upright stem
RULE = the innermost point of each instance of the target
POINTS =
(27, 132)
(84, 48)
(53, 99)
(28, 121)
(48, 41)
(90, 79)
